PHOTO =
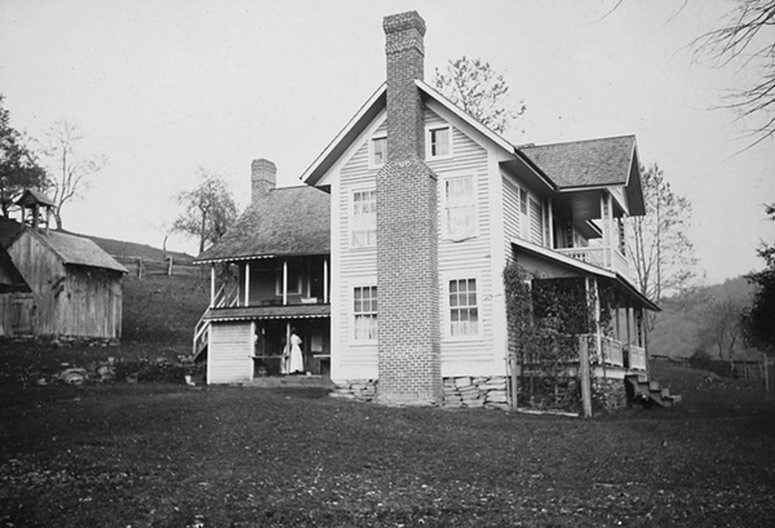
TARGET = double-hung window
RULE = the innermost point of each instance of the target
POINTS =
(365, 313)
(463, 308)
(378, 151)
(459, 214)
(439, 142)
(363, 219)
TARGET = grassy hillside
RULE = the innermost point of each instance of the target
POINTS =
(123, 250)
(682, 326)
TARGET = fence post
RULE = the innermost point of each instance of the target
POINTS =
(140, 268)
(169, 266)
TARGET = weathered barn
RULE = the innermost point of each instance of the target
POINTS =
(76, 289)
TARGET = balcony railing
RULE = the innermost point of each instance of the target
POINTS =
(612, 351)
(636, 357)
(599, 256)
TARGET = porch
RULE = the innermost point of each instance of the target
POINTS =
(264, 288)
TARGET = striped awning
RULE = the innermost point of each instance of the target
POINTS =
(249, 313)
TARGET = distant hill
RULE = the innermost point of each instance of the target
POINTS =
(682, 326)
(130, 250)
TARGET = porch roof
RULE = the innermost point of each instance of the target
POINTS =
(245, 313)
(581, 269)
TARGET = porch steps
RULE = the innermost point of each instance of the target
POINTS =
(649, 392)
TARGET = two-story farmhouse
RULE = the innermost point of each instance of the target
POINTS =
(414, 210)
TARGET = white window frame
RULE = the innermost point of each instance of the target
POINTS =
(445, 231)
(429, 129)
(447, 331)
(278, 283)
(366, 284)
(372, 162)
(352, 220)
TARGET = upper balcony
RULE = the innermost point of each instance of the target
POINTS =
(270, 282)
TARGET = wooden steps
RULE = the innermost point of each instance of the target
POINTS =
(643, 391)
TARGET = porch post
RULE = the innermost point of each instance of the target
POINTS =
(584, 378)
(325, 279)
(627, 313)
(551, 224)
(212, 284)
(247, 283)
(285, 284)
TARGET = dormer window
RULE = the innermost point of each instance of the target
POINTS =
(438, 142)
(378, 148)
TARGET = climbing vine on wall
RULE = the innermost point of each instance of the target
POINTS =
(545, 316)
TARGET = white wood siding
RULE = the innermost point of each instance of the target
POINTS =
(228, 356)
(356, 266)
(469, 258)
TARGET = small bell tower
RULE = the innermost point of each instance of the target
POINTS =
(36, 209)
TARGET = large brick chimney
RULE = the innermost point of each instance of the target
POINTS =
(407, 261)
(263, 177)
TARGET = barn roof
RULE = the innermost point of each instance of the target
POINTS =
(11, 279)
(79, 251)
(286, 221)
(590, 162)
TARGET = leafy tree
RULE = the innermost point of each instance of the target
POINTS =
(209, 209)
(658, 248)
(69, 170)
(743, 39)
(722, 327)
(758, 327)
(19, 167)
(477, 89)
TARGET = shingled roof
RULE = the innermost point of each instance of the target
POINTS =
(78, 251)
(586, 163)
(286, 221)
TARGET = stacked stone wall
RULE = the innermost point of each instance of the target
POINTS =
(475, 392)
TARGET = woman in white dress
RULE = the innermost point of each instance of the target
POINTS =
(296, 360)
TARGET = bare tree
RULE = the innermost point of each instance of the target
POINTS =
(476, 88)
(209, 209)
(69, 169)
(745, 39)
(658, 248)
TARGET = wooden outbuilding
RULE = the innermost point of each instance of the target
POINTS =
(76, 289)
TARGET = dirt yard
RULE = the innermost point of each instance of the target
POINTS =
(166, 455)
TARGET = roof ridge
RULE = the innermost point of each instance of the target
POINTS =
(586, 140)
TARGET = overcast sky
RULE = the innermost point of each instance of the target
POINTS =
(162, 87)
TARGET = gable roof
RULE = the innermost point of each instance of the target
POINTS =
(585, 163)
(32, 196)
(11, 279)
(286, 221)
(79, 251)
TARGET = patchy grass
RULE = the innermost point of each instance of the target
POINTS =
(164, 455)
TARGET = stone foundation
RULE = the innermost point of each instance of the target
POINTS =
(364, 390)
(608, 394)
(475, 392)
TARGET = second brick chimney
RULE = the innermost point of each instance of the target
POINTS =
(263, 178)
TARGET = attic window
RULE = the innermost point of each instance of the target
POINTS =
(438, 142)
(378, 151)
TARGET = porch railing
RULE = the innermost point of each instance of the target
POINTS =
(611, 353)
(636, 356)
(596, 255)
